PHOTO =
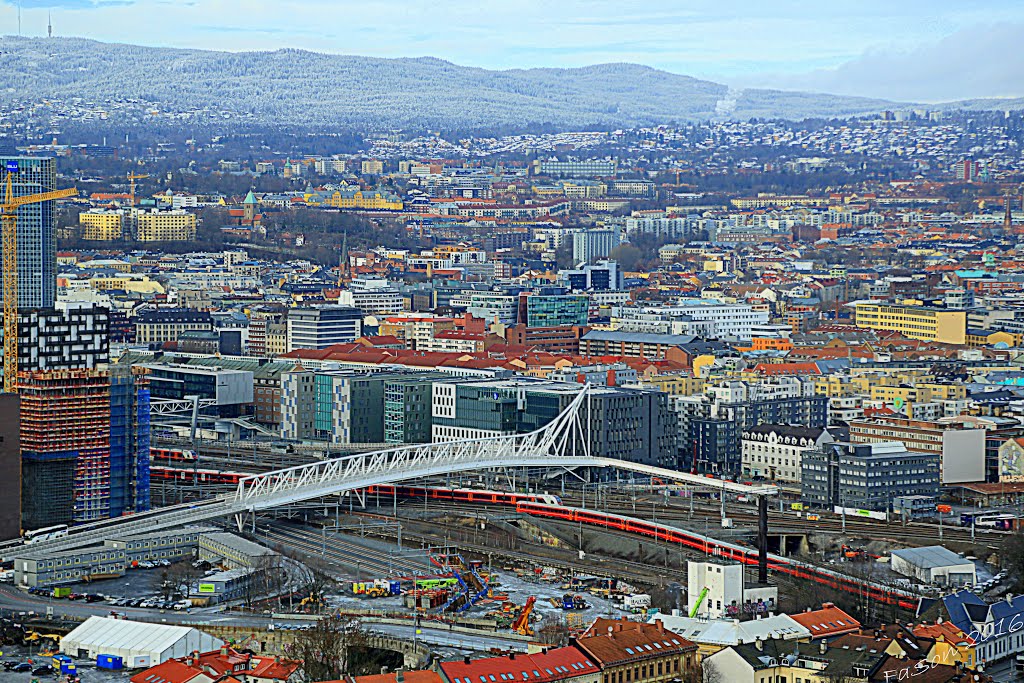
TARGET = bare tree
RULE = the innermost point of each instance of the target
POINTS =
(831, 674)
(181, 577)
(704, 672)
(1012, 559)
(554, 630)
(318, 580)
(273, 574)
(268, 578)
(329, 650)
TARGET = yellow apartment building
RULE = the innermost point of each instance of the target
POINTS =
(101, 226)
(914, 322)
(165, 226)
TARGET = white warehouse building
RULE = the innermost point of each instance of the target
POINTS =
(140, 645)
(934, 565)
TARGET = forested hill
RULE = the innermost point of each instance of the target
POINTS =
(295, 87)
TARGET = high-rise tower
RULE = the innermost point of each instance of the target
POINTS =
(37, 234)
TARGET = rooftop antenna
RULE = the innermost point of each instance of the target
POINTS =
(19, 18)
(49, 26)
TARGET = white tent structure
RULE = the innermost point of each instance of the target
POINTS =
(137, 643)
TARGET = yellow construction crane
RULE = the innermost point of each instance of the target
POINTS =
(9, 218)
(132, 177)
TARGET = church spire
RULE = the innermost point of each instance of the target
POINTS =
(343, 259)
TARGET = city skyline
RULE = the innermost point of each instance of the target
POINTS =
(911, 53)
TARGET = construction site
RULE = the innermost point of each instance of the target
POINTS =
(85, 445)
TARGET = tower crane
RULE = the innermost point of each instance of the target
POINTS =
(9, 217)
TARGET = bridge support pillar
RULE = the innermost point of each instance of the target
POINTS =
(762, 539)
(242, 517)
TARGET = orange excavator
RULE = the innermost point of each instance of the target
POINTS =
(521, 624)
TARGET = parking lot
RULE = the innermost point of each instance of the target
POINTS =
(39, 668)
(142, 586)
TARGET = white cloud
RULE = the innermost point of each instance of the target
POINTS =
(976, 62)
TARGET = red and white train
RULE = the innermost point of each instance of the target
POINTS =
(725, 550)
(462, 495)
(194, 476)
(171, 454)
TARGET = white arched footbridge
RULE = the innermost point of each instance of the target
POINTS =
(562, 443)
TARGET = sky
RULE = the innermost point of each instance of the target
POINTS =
(906, 50)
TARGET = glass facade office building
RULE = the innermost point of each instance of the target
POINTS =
(37, 239)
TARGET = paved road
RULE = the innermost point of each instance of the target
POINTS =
(435, 635)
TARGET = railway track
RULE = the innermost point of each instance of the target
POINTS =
(915, 535)
(339, 550)
(649, 507)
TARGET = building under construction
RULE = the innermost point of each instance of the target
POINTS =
(129, 440)
(81, 436)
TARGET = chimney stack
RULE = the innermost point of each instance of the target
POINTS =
(823, 647)
(759, 644)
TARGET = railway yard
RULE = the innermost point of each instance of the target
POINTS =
(497, 555)
(398, 533)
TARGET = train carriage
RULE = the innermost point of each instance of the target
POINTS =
(724, 549)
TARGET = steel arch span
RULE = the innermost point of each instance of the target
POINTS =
(562, 443)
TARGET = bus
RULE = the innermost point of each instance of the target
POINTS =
(45, 534)
(1003, 521)
(971, 518)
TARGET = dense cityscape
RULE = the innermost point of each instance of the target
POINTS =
(731, 398)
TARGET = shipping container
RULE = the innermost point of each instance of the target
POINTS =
(112, 662)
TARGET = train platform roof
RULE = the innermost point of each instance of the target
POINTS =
(995, 488)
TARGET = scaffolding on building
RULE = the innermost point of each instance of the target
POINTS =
(65, 418)
(129, 440)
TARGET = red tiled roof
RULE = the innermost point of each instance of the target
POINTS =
(425, 676)
(226, 661)
(771, 369)
(876, 412)
(554, 665)
(171, 671)
(273, 667)
(945, 630)
(827, 621)
(922, 671)
(383, 340)
(613, 641)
